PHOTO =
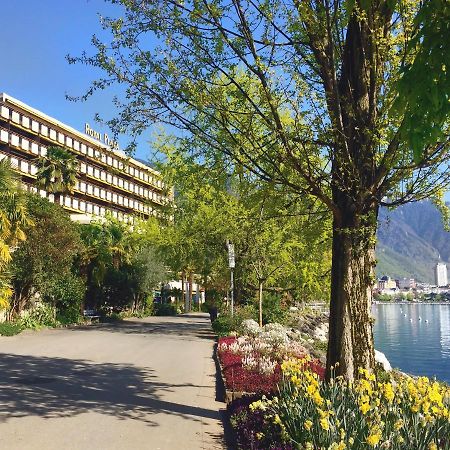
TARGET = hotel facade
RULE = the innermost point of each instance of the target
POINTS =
(108, 182)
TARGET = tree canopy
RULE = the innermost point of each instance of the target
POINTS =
(300, 95)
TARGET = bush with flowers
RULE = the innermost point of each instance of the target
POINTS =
(404, 413)
(251, 362)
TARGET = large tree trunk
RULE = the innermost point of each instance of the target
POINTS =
(350, 344)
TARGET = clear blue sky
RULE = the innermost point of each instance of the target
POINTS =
(36, 36)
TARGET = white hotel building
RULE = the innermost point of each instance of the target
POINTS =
(107, 181)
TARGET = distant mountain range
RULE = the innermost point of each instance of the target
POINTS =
(410, 241)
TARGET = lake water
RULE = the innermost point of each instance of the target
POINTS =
(415, 346)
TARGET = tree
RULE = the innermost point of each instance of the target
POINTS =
(43, 264)
(298, 93)
(13, 218)
(57, 171)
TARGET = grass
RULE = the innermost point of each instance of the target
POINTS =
(10, 328)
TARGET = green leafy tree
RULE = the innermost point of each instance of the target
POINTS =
(13, 219)
(40, 264)
(299, 94)
(57, 171)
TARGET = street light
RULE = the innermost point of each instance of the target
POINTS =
(231, 265)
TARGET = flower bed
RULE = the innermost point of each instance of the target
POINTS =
(251, 363)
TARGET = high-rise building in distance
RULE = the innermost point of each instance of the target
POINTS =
(108, 181)
(441, 274)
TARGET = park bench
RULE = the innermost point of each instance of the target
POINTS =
(91, 315)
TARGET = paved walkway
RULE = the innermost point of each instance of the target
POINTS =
(141, 384)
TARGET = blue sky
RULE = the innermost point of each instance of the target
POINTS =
(36, 36)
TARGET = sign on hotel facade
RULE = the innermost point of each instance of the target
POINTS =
(108, 182)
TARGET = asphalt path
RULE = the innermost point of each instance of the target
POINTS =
(139, 384)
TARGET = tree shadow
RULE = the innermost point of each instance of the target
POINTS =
(196, 327)
(59, 387)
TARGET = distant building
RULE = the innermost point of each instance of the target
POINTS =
(386, 283)
(406, 283)
(441, 275)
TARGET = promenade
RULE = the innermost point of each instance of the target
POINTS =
(139, 384)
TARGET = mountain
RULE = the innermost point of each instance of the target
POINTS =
(411, 239)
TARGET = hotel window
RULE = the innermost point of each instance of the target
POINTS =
(96, 191)
(102, 193)
(146, 177)
(125, 201)
(35, 126)
(115, 164)
(125, 185)
(69, 142)
(96, 173)
(114, 214)
(114, 180)
(15, 117)
(83, 168)
(44, 130)
(96, 209)
(75, 203)
(76, 145)
(120, 200)
(90, 170)
(89, 189)
(34, 148)
(4, 136)
(67, 201)
(102, 211)
(33, 170)
(136, 188)
(61, 138)
(108, 195)
(103, 158)
(43, 151)
(24, 166)
(131, 170)
(97, 154)
(103, 175)
(14, 162)
(14, 140)
(114, 198)
(121, 165)
(25, 144)
(83, 148)
(131, 203)
(53, 134)
(89, 207)
(51, 197)
(82, 186)
(82, 206)
(141, 191)
(120, 182)
(5, 112)
(109, 178)
(90, 151)
(25, 122)
(109, 160)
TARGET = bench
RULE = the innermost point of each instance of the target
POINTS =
(91, 315)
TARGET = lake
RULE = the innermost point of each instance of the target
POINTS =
(415, 337)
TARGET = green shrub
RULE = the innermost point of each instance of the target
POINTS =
(225, 324)
(10, 328)
(41, 316)
(164, 309)
(273, 310)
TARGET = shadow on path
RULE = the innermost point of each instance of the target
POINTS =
(58, 387)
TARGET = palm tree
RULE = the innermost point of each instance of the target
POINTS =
(13, 216)
(57, 171)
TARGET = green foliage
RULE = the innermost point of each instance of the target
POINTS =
(164, 309)
(424, 88)
(10, 328)
(41, 315)
(57, 171)
(226, 324)
(274, 309)
(42, 262)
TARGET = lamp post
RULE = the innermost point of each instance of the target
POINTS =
(231, 265)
